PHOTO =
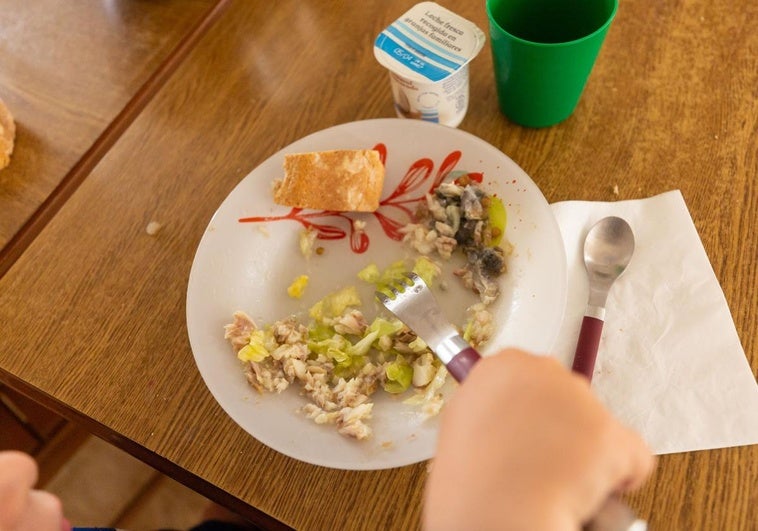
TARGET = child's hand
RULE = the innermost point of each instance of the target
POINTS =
(524, 444)
(21, 507)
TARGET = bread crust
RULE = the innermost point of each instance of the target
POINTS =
(340, 180)
(7, 135)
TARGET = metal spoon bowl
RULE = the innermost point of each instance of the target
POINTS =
(608, 249)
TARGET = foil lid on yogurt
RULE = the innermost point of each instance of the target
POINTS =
(428, 43)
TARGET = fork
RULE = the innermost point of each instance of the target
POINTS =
(416, 306)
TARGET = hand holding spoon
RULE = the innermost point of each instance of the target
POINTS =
(608, 249)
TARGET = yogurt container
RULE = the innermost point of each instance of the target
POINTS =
(427, 52)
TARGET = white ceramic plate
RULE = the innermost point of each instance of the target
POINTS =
(248, 265)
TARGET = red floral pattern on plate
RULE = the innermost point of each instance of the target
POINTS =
(394, 212)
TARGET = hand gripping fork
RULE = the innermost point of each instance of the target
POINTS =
(415, 305)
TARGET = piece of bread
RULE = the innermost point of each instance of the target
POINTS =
(7, 135)
(342, 180)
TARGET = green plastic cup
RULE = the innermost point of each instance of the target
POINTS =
(543, 52)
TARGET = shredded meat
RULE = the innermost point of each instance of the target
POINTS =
(238, 332)
(350, 421)
(352, 323)
(482, 324)
(289, 331)
(346, 404)
(265, 378)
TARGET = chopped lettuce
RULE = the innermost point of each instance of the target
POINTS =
(345, 355)
(393, 273)
(319, 331)
(385, 331)
(427, 270)
(468, 329)
(383, 281)
(334, 346)
(296, 289)
(334, 304)
(383, 327)
(362, 347)
(370, 274)
(399, 376)
(255, 350)
(417, 345)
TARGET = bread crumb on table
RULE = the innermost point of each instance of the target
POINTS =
(153, 227)
(7, 135)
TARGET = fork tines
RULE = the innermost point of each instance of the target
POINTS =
(399, 287)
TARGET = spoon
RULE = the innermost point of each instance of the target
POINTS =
(608, 249)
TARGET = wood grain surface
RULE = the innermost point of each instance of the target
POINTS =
(68, 71)
(93, 313)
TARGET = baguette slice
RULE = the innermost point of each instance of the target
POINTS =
(7, 135)
(342, 180)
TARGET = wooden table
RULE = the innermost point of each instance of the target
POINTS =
(93, 314)
(74, 77)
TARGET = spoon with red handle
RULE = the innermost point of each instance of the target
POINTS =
(608, 249)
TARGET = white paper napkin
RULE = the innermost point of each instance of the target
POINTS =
(670, 363)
